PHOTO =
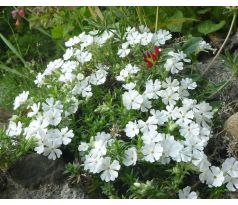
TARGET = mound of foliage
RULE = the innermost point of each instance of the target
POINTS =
(125, 103)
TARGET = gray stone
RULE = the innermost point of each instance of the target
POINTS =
(231, 125)
(34, 170)
(48, 191)
(3, 181)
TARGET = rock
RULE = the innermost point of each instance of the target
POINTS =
(231, 125)
(3, 181)
(232, 44)
(48, 191)
(72, 192)
(4, 117)
(34, 170)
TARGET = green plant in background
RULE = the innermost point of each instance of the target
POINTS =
(12, 149)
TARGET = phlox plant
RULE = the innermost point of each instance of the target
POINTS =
(124, 103)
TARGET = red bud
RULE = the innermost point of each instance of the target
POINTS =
(21, 12)
(18, 23)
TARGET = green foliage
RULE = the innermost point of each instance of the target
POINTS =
(231, 62)
(11, 149)
(12, 48)
(26, 51)
(208, 26)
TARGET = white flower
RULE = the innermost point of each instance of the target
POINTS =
(199, 159)
(36, 127)
(53, 117)
(52, 105)
(39, 149)
(152, 152)
(190, 130)
(69, 52)
(99, 77)
(132, 129)
(144, 29)
(232, 183)
(173, 65)
(152, 89)
(146, 104)
(160, 37)
(230, 169)
(110, 170)
(132, 69)
(194, 143)
(128, 70)
(183, 115)
(169, 96)
(67, 77)
(152, 136)
(66, 135)
(93, 163)
(83, 147)
(85, 40)
(102, 136)
(133, 38)
(83, 88)
(130, 157)
(129, 86)
(230, 166)
(169, 84)
(170, 146)
(69, 66)
(124, 51)
(53, 66)
(188, 83)
(72, 41)
(146, 38)
(39, 79)
(179, 56)
(170, 111)
(35, 109)
(51, 150)
(149, 125)
(83, 56)
(101, 39)
(203, 112)
(99, 149)
(212, 176)
(14, 129)
(160, 116)
(123, 75)
(20, 99)
(204, 46)
(187, 194)
(132, 100)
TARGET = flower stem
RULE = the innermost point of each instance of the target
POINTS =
(222, 46)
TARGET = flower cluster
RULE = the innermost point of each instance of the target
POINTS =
(164, 123)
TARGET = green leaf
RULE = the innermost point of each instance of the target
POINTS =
(57, 32)
(208, 26)
(191, 46)
(13, 49)
(176, 22)
(13, 71)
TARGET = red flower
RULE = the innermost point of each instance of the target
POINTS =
(18, 14)
(151, 57)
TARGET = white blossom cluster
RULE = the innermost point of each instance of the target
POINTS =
(178, 112)
(45, 118)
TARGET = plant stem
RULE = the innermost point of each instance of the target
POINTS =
(157, 17)
(222, 46)
(223, 86)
